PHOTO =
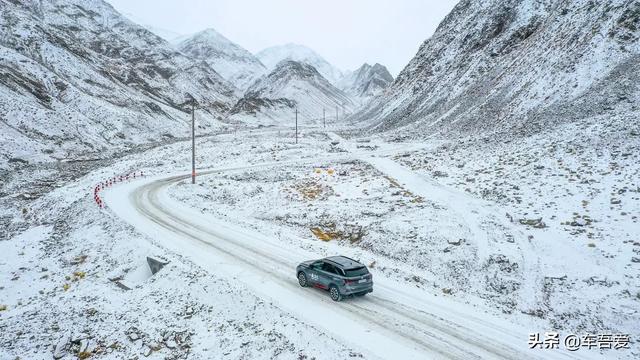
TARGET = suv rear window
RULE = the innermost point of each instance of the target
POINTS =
(356, 272)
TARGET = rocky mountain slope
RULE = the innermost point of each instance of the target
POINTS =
(229, 59)
(532, 106)
(366, 82)
(292, 85)
(517, 66)
(272, 56)
(77, 78)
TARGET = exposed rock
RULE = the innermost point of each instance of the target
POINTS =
(536, 223)
(62, 346)
(579, 222)
(133, 333)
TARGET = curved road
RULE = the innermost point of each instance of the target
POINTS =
(395, 321)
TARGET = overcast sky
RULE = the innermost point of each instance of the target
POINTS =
(345, 32)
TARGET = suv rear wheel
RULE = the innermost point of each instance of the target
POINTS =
(302, 279)
(334, 293)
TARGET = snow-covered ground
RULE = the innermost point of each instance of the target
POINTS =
(574, 192)
(454, 276)
(61, 277)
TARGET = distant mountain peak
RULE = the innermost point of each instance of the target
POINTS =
(366, 82)
(270, 57)
(301, 69)
(232, 61)
(211, 34)
(291, 84)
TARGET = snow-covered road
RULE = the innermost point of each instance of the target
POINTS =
(396, 321)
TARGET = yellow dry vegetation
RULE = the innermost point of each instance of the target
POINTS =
(309, 191)
(417, 200)
(320, 170)
(324, 235)
(66, 287)
(3, 307)
(393, 181)
(406, 193)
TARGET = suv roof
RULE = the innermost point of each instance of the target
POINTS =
(344, 262)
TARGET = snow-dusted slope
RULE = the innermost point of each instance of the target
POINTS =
(272, 56)
(79, 78)
(507, 65)
(230, 60)
(366, 82)
(292, 85)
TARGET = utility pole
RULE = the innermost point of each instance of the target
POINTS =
(296, 125)
(193, 141)
(324, 118)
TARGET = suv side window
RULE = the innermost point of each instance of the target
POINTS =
(329, 268)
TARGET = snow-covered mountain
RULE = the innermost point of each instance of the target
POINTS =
(229, 59)
(513, 65)
(292, 85)
(79, 78)
(366, 82)
(272, 56)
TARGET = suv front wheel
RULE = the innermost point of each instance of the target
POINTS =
(334, 293)
(302, 279)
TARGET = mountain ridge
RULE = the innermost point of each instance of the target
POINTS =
(515, 66)
(273, 55)
(80, 78)
(229, 59)
(289, 86)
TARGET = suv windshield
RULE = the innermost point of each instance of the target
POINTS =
(356, 272)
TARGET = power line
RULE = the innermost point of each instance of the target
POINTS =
(193, 142)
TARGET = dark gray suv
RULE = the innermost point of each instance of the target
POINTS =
(340, 275)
